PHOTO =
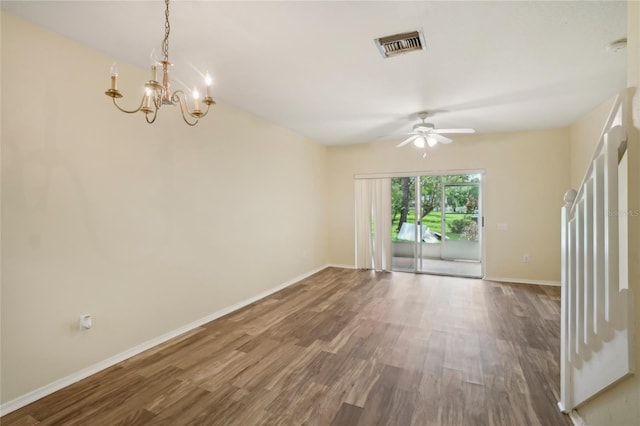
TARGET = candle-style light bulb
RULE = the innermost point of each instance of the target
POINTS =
(208, 81)
(147, 100)
(196, 96)
(114, 76)
(153, 58)
(153, 62)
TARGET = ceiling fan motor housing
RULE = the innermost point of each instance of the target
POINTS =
(423, 127)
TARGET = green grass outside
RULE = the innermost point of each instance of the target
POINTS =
(432, 221)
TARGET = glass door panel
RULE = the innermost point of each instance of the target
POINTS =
(430, 220)
(403, 224)
(461, 222)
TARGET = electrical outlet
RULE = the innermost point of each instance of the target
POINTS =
(525, 258)
(85, 322)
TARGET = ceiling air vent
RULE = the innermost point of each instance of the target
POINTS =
(400, 43)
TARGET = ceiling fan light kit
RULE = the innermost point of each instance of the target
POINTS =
(158, 93)
(426, 134)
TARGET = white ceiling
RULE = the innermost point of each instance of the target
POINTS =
(313, 66)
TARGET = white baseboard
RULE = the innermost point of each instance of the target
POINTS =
(576, 419)
(335, 265)
(523, 281)
(561, 407)
(504, 280)
(50, 388)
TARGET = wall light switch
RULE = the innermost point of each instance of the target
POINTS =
(503, 227)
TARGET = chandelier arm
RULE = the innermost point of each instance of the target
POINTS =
(205, 112)
(179, 96)
(157, 102)
(183, 104)
(184, 117)
(155, 114)
(181, 101)
(128, 111)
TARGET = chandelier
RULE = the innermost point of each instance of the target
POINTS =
(158, 93)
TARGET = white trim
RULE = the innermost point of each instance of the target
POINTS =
(481, 226)
(561, 408)
(421, 173)
(52, 387)
(335, 265)
(524, 281)
(576, 419)
(504, 280)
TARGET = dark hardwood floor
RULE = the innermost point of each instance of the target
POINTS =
(343, 347)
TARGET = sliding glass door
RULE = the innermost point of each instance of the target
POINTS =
(437, 224)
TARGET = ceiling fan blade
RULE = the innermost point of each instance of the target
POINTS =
(443, 131)
(407, 141)
(440, 138)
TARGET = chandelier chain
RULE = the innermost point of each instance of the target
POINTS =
(167, 30)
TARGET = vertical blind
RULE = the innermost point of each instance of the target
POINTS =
(373, 224)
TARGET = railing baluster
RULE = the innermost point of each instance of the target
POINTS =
(571, 289)
(579, 261)
(598, 245)
(611, 228)
(588, 265)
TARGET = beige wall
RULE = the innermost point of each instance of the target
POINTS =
(147, 228)
(526, 176)
(620, 405)
(584, 137)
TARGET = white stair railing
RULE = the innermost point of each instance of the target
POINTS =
(596, 335)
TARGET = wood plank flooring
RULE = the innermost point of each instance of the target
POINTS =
(342, 347)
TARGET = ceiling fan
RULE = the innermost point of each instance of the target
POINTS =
(427, 134)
